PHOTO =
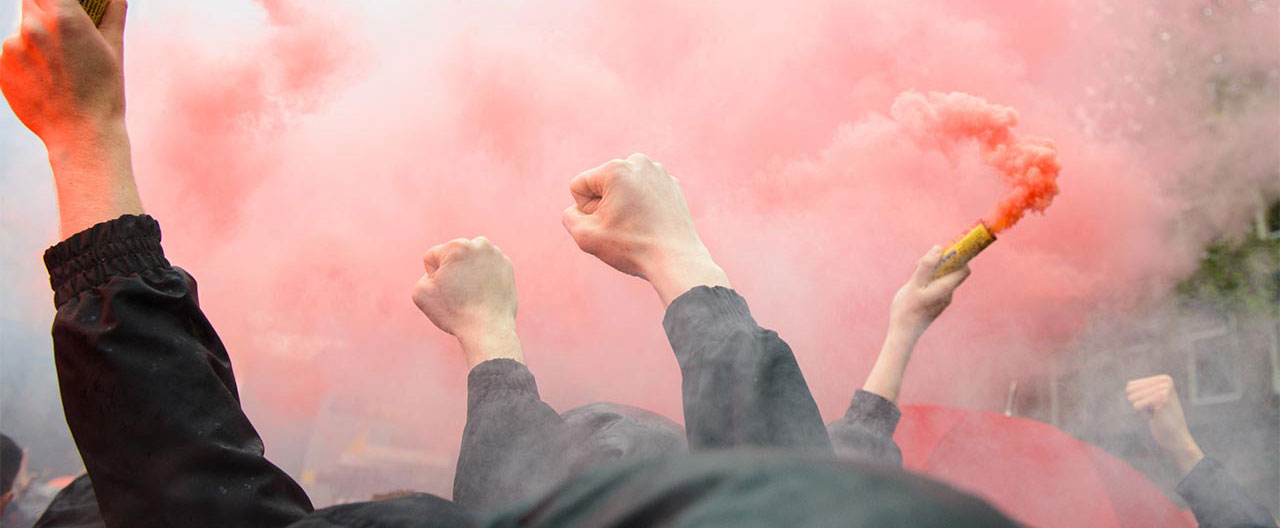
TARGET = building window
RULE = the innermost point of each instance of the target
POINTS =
(1213, 365)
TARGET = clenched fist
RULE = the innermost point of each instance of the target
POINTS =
(922, 299)
(469, 291)
(62, 76)
(1156, 399)
(633, 216)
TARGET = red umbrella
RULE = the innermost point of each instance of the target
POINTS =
(1032, 471)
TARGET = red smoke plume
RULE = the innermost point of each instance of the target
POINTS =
(1028, 164)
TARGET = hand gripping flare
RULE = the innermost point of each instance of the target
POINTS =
(964, 248)
(95, 8)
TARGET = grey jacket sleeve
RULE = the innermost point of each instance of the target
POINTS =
(1218, 501)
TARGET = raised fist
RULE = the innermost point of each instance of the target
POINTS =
(468, 290)
(633, 216)
(1156, 399)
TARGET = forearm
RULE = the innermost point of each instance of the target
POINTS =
(885, 379)
(741, 383)
(511, 445)
(93, 174)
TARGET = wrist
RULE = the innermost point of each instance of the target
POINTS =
(70, 138)
(1186, 456)
(490, 340)
(93, 175)
(672, 273)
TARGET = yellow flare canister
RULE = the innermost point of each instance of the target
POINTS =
(95, 8)
(964, 248)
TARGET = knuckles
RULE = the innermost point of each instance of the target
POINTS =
(34, 31)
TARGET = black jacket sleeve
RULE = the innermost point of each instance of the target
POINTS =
(513, 443)
(866, 430)
(148, 391)
(741, 383)
(1218, 501)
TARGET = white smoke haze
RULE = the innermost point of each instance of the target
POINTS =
(301, 157)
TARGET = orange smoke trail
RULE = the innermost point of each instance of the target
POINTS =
(1028, 164)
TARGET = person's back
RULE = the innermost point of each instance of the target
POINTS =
(745, 488)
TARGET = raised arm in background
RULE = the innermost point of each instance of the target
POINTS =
(1216, 499)
(146, 385)
(866, 430)
(742, 385)
(509, 444)
(515, 446)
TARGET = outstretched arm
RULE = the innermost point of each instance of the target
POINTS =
(146, 385)
(866, 430)
(916, 306)
(742, 385)
(1216, 499)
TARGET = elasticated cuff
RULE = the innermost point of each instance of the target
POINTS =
(497, 379)
(705, 303)
(874, 412)
(124, 246)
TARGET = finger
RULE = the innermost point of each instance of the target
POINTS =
(593, 184)
(434, 258)
(484, 242)
(11, 49)
(573, 218)
(1147, 393)
(112, 25)
(1154, 402)
(31, 9)
(926, 265)
(586, 190)
(1151, 379)
(580, 226)
(947, 284)
(1148, 387)
(1146, 384)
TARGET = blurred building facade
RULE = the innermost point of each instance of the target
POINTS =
(1223, 352)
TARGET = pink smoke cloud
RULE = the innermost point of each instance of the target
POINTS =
(302, 167)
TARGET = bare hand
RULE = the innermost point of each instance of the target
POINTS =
(62, 76)
(469, 291)
(922, 299)
(1156, 399)
(633, 216)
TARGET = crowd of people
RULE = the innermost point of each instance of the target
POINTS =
(151, 400)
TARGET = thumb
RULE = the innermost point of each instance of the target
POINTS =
(112, 25)
(573, 217)
(580, 225)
